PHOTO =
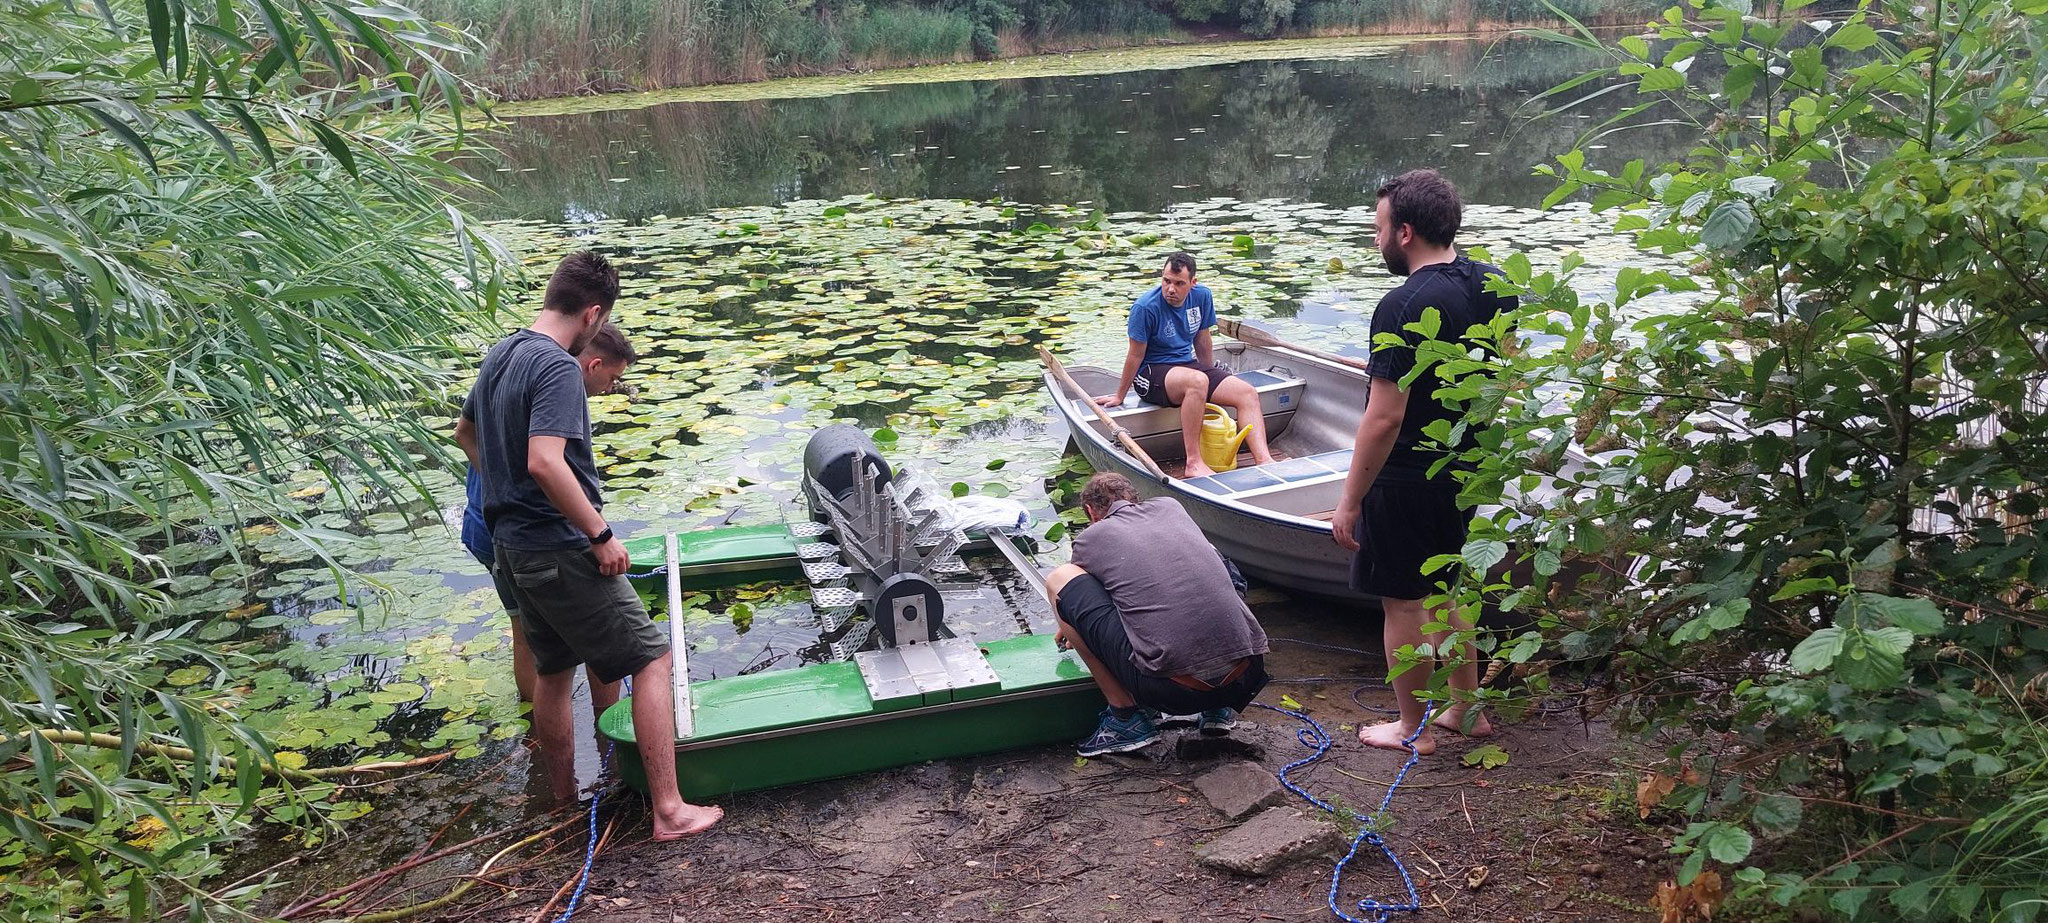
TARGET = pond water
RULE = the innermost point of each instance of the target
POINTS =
(892, 259)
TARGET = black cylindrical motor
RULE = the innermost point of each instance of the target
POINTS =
(833, 458)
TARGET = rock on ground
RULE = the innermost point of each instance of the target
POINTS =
(1237, 789)
(1266, 843)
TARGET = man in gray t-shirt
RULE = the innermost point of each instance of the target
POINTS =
(1151, 608)
(526, 429)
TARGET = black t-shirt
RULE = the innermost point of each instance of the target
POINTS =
(529, 386)
(1457, 290)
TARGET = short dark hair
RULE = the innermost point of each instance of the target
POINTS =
(583, 279)
(1107, 488)
(1181, 260)
(1425, 201)
(610, 342)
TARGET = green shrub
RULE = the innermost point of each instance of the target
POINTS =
(1812, 490)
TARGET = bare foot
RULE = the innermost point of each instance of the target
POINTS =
(1452, 720)
(689, 820)
(1197, 469)
(1262, 460)
(1388, 736)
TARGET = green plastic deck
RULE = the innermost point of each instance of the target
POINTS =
(710, 547)
(816, 722)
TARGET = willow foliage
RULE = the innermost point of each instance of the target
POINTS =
(225, 256)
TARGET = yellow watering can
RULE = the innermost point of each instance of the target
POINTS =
(1220, 439)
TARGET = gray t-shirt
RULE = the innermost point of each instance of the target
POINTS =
(1181, 613)
(529, 386)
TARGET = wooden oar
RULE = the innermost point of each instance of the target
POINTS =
(1122, 436)
(1239, 330)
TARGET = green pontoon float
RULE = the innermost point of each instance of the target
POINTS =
(917, 693)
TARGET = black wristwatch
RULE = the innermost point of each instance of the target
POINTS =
(601, 537)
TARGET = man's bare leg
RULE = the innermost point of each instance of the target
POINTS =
(1404, 619)
(1464, 678)
(602, 696)
(1189, 390)
(522, 660)
(654, 730)
(554, 731)
(1239, 395)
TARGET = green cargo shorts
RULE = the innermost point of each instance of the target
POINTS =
(573, 614)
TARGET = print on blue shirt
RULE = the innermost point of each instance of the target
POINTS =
(1169, 332)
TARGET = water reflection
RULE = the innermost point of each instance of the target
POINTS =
(1324, 131)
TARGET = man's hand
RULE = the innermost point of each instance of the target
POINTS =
(1343, 525)
(1061, 639)
(1110, 400)
(612, 559)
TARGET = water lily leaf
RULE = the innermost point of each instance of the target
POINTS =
(1490, 756)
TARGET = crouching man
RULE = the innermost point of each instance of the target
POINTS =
(1149, 606)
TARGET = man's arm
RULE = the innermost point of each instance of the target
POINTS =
(1133, 357)
(1385, 408)
(465, 436)
(544, 460)
(1205, 349)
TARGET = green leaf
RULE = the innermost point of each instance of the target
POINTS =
(1731, 226)
(1490, 756)
(332, 141)
(1483, 553)
(994, 490)
(1056, 532)
(885, 436)
(1660, 80)
(1727, 843)
(995, 464)
(120, 130)
(1243, 245)
(1777, 815)
(962, 488)
(1288, 702)
(1854, 36)
(1915, 614)
(1871, 660)
(1818, 651)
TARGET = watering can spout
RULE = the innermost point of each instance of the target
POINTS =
(1221, 438)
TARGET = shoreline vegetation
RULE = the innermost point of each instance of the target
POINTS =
(551, 49)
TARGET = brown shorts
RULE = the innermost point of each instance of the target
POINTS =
(573, 614)
(1151, 380)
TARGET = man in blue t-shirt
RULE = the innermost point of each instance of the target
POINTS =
(1395, 515)
(604, 362)
(1171, 362)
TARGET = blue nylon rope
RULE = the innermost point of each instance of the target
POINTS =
(604, 768)
(656, 572)
(1313, 735)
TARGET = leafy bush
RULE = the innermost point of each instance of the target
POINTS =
(1809, 497)
(1822, 470)
(224, 258)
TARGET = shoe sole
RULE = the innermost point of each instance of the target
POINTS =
(1218, 730)
(1119, 748)
(1166, 722)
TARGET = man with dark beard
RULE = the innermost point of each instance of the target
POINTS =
(526, 428)
(1394, 515)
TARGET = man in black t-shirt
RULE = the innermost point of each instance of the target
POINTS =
(526, 429)
(1394, 515)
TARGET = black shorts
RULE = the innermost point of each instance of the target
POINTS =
(1401, 525)
(1086, 606)
(573, 614)
(501, 583)
(1151, 380)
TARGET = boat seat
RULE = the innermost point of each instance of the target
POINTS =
(1307, 485)
(1157, 428)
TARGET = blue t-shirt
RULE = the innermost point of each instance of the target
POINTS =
(476, 536)
(1169, 332)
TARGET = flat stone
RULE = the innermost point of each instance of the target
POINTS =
(1236, 790)
(1275, 838)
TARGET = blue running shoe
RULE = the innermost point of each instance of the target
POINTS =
(1218, 721)
(1120, 735)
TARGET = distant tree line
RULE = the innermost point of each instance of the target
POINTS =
(542, 48)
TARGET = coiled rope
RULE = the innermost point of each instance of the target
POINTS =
(1312, 734)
